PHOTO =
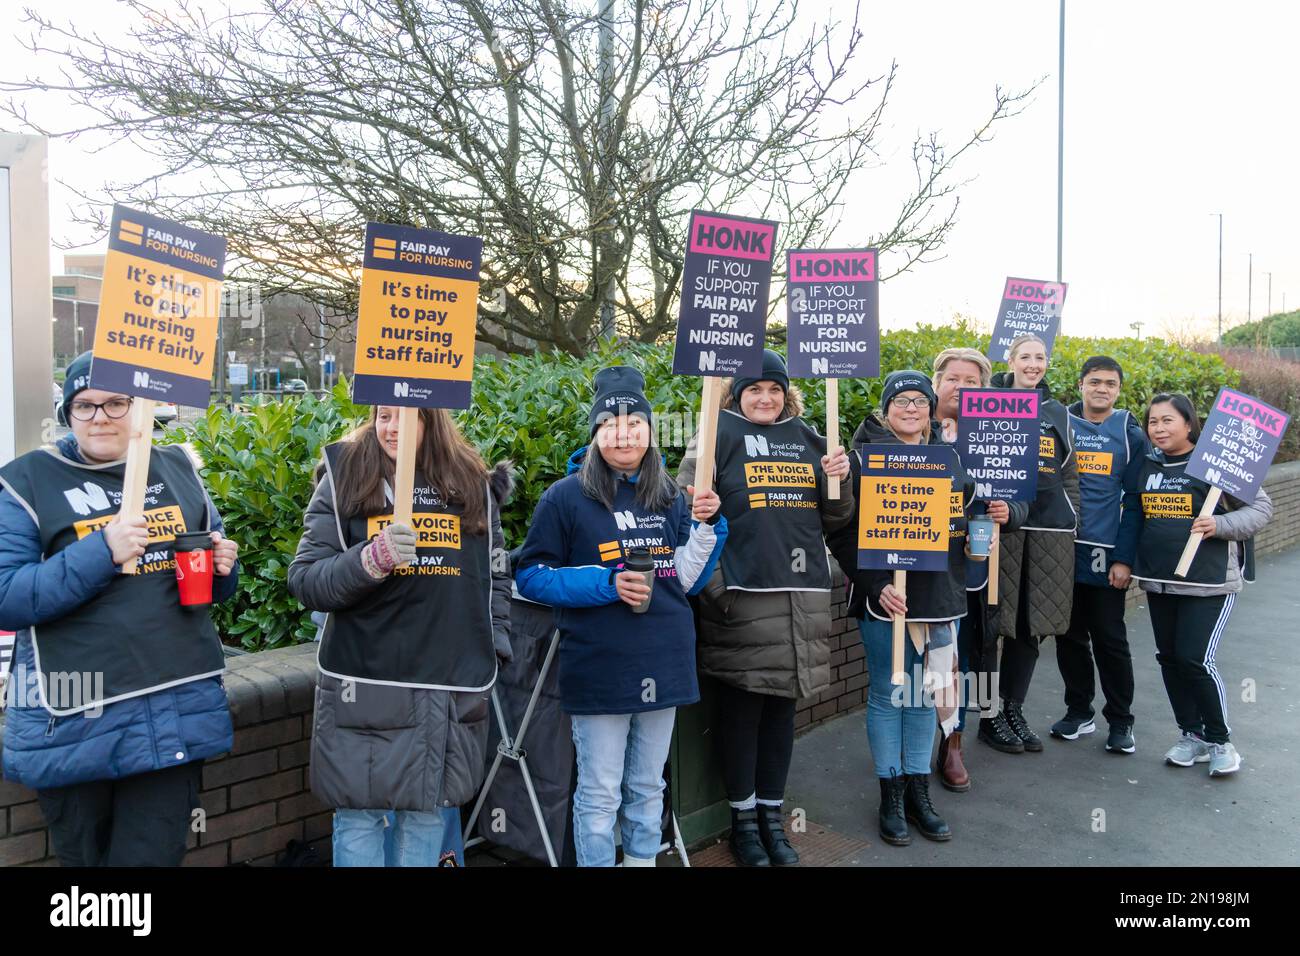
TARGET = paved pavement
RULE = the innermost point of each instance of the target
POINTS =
(1044, 809)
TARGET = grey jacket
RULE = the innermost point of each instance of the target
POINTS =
(377, 747)
(778, 642)
(1240, 523)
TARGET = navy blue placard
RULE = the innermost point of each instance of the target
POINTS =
(1237, 444)
(726, 278)
(432, 253)
(167, 243)
(997, 439)
(832, 313)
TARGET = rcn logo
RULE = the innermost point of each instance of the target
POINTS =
(90, 497)
(891, 557)
(1153, 481)
(401, 389)
(625, 520)
(708, 361)
(1214, 476)
(756, 446)
(821, 366)
(140, 379)
(984, 490)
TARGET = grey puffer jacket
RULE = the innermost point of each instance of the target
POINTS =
(776, 642)
(379, 747)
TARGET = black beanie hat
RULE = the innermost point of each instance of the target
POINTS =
(620, 390)
(908, 380)
(77, 380)
(773, 371)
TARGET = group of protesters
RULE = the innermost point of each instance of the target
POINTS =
(653, 583)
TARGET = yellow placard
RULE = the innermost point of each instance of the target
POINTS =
(1046, 446)
(432, 530)
(1166, 505)
(163, 524)
(909, 514)
(779, 474)
(414, 326)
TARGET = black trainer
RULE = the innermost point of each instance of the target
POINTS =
(997, 733)
(920, 810)
(746, 845)
(1120, 739)
(893, 817)
(772, 832)
(1071, 727)
(1020, 727)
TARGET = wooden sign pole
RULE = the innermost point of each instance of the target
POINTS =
(832, 432)
(993, 566)
(1194, 540)
(900, 629)
(706, 443)
(404, 480)
(136, 479)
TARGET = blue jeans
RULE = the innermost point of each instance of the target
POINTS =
(452, 839)
(360, 837)
(621, 761)
(900, 723)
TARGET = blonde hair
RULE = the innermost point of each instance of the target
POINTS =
(974, 356)
(1020, 340)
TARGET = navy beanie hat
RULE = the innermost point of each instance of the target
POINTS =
(773, 371)
(78, 380)
(620, 390)
(908, 380)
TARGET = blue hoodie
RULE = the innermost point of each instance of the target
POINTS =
(612, 660)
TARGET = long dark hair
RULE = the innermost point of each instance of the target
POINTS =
(1183, 406)
(445, 459)
(655, 488)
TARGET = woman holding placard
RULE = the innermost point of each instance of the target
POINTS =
(901, 733)
(765, 616)
(616, 547)
(417, 618)
(115, 758)
(1036, 566)
(1161, 510)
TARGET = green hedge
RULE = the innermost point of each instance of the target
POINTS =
(533, 410)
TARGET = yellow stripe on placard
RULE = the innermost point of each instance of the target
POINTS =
(381, 254)
(382, 243)
(875, 461)
(128, 226)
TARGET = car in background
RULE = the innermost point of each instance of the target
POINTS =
(295, 385)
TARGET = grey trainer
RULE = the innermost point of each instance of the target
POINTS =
(1190, 749)
(1224, 759)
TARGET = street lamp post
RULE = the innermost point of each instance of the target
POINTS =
(1220, 215)
(1250, 283)
(1060, 147)
(1270, 293)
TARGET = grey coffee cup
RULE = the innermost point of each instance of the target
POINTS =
(980, 536)
(639, 560)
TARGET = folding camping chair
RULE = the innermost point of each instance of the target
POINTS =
(511, 748)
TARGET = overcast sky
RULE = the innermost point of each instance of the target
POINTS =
(1173, 111)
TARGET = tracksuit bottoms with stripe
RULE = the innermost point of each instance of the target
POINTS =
(1188, 631)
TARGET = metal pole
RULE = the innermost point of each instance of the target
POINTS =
(1060, 148)
(1270, 293)
(320, 313)
(1250, 284)
(1220, 215)
(605, 25)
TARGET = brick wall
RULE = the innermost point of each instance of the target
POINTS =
(256, 798)
(848, 674)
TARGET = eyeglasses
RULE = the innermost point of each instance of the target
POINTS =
(901, 401)
(113, 408)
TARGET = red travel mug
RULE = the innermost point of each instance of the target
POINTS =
(194, 568)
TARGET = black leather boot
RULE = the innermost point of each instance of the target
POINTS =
(771, 830)
(1020, 727)
(997, 733)
(919, 809)
(746, 846)
(893, 820)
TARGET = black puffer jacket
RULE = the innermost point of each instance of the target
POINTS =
(1040, 556)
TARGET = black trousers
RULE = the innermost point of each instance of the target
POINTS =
(143, 820)
(1020, 651)
(755, 743)
(1097, 618)
(1188, 630)
(977, 655)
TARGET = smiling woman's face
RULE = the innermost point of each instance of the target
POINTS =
(101, 438)
(1029, 364)
(762, 402)
(386, 430)
(1168, 430)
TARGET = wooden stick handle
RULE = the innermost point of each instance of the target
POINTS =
(404, 480)
(993, 567)
(900, 630)
(136, 479)
(706, 442)
(832, 432)
(1194, 540)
